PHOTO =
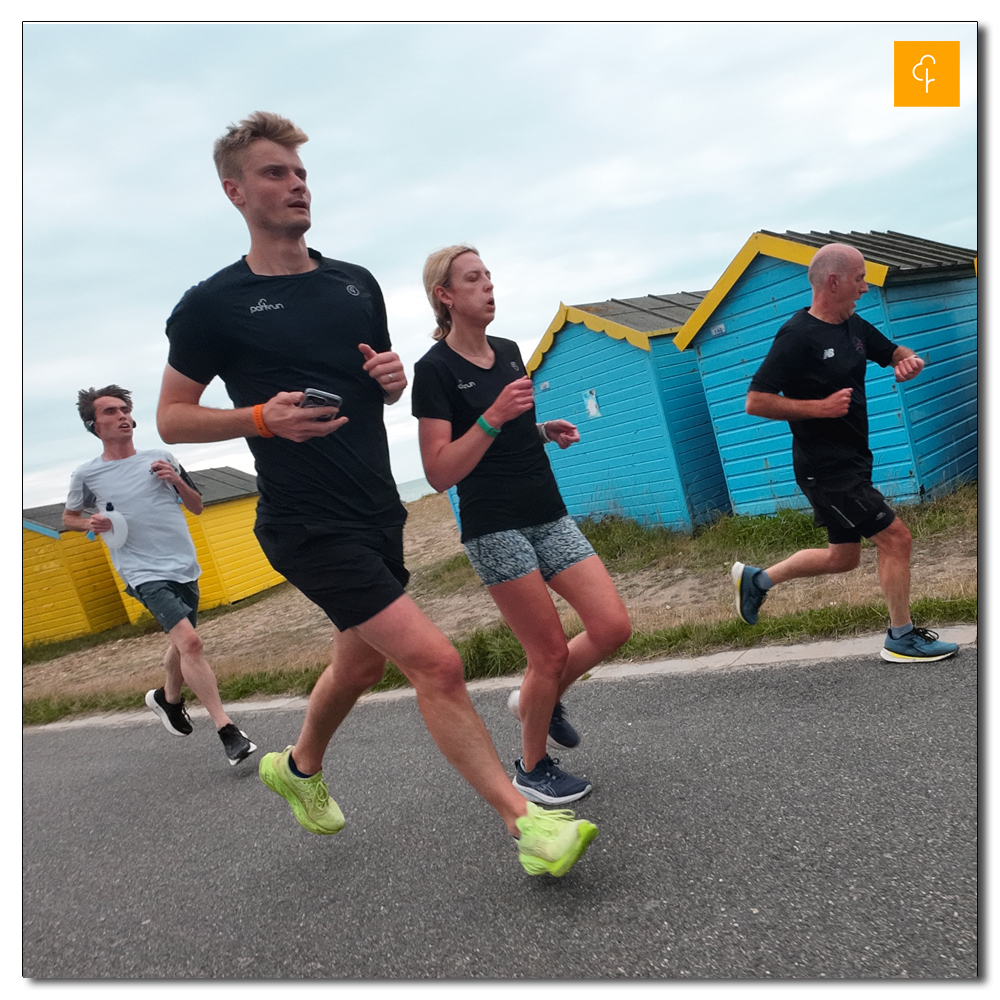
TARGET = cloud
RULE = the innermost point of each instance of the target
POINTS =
(585, 160)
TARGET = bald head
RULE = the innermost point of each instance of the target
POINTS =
(837, 276)
(835, 258)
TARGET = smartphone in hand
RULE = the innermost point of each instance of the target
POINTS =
(317, 397)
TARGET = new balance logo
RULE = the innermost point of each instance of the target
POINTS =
(828, 353)
(263, 305)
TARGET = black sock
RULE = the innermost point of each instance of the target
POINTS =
(294, 769)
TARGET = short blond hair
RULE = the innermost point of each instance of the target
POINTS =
(231, 148)
(437, 271)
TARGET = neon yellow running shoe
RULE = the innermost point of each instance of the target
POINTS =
(551, 840)
(308, 797)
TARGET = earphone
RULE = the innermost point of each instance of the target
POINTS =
(89, 424)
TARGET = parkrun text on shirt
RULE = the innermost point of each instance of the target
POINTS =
(925, 75)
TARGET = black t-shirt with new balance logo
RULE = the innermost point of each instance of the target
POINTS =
(810, 359)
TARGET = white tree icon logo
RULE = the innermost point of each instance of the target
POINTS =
(926, 78)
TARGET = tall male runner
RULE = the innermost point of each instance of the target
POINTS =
(814, 377)
(157, 559)
(280, 320)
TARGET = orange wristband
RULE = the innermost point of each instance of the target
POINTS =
(258, 422)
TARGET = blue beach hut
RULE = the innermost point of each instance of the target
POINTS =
(922, 294)
(646, 448)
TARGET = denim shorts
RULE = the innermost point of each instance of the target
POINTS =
(168, 601)
(508, 555)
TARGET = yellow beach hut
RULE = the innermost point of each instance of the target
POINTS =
(69, 588)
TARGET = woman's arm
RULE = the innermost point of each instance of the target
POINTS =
(447, 462)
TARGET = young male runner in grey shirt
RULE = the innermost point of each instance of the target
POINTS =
(135, 495)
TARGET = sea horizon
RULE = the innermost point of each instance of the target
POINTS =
(414, 489)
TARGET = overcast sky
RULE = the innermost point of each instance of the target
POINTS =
(585, 161)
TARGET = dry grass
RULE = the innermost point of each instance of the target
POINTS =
(683, 586)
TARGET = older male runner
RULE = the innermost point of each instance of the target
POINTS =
(157, 559)
(280, 320)
(814, 377)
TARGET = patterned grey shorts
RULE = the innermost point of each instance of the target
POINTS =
(509, 555)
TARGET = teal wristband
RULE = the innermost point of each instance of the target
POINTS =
(488, 428)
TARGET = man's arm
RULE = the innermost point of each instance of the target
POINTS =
(775, 407)
(181, 418)
(906, 364)
(190, 497)
(75, 521)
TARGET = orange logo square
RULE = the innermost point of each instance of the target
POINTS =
(925, 75)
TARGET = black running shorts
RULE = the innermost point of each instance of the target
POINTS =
(848, 511)
(352, 573)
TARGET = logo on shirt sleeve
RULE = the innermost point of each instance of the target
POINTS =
(828, 353)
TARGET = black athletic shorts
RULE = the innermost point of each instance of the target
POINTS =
(352, 573)
(849, 510)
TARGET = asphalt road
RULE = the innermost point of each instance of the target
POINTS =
(811, 819)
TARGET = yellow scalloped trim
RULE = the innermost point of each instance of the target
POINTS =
(769, 246)
(570, 314)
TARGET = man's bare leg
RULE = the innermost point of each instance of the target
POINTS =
(895, 545)
(547, 842)
(354, 667)
(194, 669)
(835, 558)
(432, 665)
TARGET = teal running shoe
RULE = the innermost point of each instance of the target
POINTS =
(749, 597)
(918, 644)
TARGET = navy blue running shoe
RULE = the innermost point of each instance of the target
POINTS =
(749, 597)
(562, 736)
(549, 784)
(561, 733)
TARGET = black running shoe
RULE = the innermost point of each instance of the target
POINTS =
(174, 717)
(238, 747)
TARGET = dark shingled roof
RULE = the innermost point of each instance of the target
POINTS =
(647, 312)
(905, 256)
(216, 485)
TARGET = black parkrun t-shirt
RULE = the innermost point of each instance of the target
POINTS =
(810, 359)
(513, 485)
(264, 334)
